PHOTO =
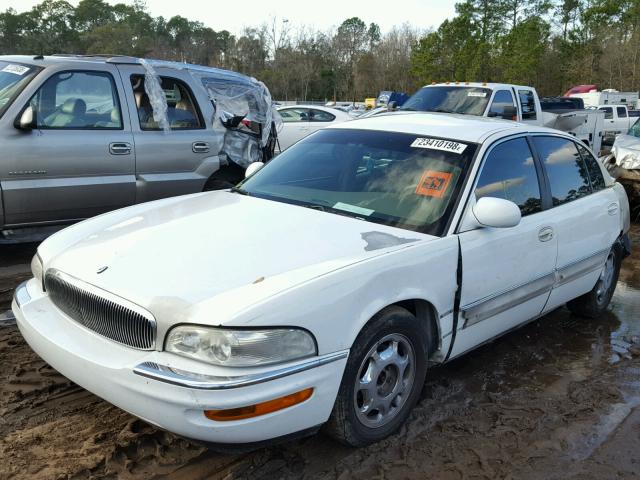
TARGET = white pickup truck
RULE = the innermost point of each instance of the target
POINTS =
(616, 120)
(506, 101)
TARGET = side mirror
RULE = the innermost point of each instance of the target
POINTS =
(391, 106)
(253, 168)
(496, 212)
(26, 120)
(510, 113)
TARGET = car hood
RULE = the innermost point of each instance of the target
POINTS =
(171, 254)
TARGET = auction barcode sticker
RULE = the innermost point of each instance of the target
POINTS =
(477, 94)
(437, 144)
(17, 69)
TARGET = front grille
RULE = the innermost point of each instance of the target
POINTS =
(101, 311)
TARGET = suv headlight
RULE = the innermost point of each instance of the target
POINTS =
(240, 348)
(36, 268)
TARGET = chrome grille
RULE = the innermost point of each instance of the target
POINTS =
(101, 311)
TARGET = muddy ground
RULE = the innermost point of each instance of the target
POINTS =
(556, 399)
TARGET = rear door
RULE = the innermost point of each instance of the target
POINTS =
(79, 160)
(529, 106)
(507, 273)
(176, 152)
(585, 211)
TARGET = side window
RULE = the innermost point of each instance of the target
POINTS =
(634, 131)
(622, 112)
(182, 109)
(567, 172)
(608, 112)
(593, 167)
(321, 116)
(502, 99)
(510, 173)
(291, 115)
(78, 101)
(528, 102)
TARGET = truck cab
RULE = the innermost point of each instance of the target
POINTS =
(616, 120)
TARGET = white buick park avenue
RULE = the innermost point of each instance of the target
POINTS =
(320, 290)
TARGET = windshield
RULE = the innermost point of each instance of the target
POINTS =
(449, 99)
(398, 179)
(13, 78)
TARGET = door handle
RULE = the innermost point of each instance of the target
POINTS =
(200, 147)
(545, 234)
(120, 148)
(612, 209)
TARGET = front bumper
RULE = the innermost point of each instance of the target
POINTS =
(171, 391)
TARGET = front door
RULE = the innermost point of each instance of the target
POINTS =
(79, 161)
(507, 273)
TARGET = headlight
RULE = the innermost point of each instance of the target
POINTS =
(240, 348)
(36, 268)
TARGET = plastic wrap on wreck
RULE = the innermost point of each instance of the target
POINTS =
(156, 95)
(234, 94)
(626, 150)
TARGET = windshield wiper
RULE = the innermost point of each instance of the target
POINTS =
(240, 191)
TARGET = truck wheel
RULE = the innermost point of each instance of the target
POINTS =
(382, 380)
(594, 303)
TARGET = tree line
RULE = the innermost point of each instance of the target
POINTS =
(550, 44)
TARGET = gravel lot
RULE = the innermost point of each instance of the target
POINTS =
(557, 399)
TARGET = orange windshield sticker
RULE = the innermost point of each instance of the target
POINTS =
(433, 184)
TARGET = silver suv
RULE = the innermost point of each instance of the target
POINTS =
(83, 135)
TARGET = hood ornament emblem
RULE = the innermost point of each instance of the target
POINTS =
(101, 269)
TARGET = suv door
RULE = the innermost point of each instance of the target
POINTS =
(179, 159)
(79, 159)
(586, 215)
(507, 273)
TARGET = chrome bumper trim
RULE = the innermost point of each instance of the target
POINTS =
(22, 294)
(174, 376)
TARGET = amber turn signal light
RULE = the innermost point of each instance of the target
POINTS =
(259, 408)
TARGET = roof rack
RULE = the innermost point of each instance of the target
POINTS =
(109, 58)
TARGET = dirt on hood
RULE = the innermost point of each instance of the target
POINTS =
(557, 399)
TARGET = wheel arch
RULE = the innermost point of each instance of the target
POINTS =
(427, 315)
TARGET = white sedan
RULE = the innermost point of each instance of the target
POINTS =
(298, 121)
(319, 291)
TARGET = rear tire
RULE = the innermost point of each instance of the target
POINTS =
(382, 380)
(595, 303)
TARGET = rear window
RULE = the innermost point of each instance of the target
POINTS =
(622, 112)
(595, 172)
(528, 104)
(13, 78)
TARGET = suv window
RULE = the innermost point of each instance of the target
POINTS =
(634, 131)
(502, 99)
(568, 174)
(182, 110)
(321, 116)
(528, 102)
(509, 172)
(608, 112)
(78, 100)
(595, 173)
(290, 115)
(622, 112)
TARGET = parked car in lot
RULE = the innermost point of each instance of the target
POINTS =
(319, 290)
(298, 121)
(85, 135)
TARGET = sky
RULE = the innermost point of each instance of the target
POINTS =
(234, 15)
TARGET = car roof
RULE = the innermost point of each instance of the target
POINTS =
(47, 60)
(492, 86)
(467, 128)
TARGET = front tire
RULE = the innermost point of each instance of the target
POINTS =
(595, 303)
(382, 380)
